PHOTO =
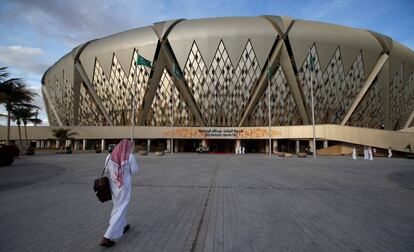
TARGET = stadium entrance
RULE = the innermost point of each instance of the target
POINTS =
(186, 145)
(221, 145)
(254, 146)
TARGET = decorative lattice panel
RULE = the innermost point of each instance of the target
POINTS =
(182, 115)
(282, 105)
(319, 90)
(221, 91)
(68, 101)
(408, 97)
(333, 77)
(401, 99)
(218, 80)
(195, 72)
(333, 90)
(370, 112)
(57, 96)
(161, 107)
(52, 119)
(89, 113)
(238, 94)
(116, 91)
(396, 89)
(411, 124)
(351, 86)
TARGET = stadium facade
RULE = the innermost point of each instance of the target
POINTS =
(225, 73)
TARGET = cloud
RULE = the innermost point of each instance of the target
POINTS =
(75, 22)
(78, 21)
(26, 59)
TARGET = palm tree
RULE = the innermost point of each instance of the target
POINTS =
(26, 114)
(30, 117)
(13, 92)
(62, 135)
(17, 114)
(3, 73)
(21, 114)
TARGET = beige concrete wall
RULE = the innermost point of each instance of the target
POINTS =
(397, 140)
(339, 149)
(409, 130)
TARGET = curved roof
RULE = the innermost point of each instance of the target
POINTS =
(235, 31)
(227, 57)
(327, 38)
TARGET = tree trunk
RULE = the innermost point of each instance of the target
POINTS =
(20, 138)
(8, 126)
(25, 133)
(61, 145)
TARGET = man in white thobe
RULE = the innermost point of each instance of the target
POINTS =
(389, 152)
(370, 155)
(365, 153)
(354, 157)
(120, 164)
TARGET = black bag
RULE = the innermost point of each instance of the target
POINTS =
(102, 187)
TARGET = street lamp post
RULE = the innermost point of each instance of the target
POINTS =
(311, 66)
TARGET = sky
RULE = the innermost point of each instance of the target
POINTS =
(36, 33)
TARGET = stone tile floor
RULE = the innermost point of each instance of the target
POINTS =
(197, 202)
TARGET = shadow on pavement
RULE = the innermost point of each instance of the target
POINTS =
(404, 179)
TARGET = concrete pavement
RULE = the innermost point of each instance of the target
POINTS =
(190, 202)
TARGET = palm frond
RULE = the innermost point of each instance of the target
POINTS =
(3, 73)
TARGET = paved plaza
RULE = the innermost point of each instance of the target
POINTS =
(202, 202)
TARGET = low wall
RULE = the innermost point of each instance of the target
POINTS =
(397, 140)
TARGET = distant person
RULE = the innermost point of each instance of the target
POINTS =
(354, 156)
(370, 155)
(243, 150)
(389, 152)
(120, 164)
(365, 153)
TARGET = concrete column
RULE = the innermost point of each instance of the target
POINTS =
(76, 147)
(48, 144)
(267, 147)
(67, 143)
(311, 145)
(297, 146)
(148, 145)
(238, 146)
(274, 145)
(103, 147)
(204, 142)
(57, 144)
(84, 144)
(37, 144)
(325, 144)
(176, 145)
(169, 145)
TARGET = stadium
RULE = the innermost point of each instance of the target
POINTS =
(218, 81)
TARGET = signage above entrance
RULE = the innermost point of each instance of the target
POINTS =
(214, 132)
(223, 133)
